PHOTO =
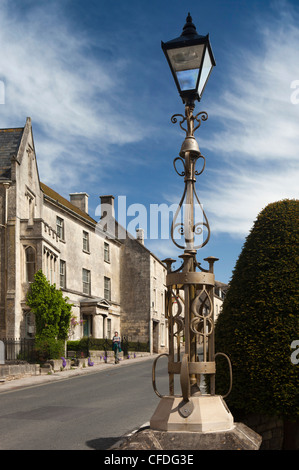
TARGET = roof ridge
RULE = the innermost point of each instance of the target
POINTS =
(65, 202)
(12, 128)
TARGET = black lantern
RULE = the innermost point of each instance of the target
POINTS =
(191, 60)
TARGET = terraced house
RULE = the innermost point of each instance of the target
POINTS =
(113, 282)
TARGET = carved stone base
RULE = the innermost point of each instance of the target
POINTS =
(204, 413)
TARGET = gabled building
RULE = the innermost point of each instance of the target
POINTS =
(40, 229)
(220, 291)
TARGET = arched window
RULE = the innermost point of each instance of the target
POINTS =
(30, 264)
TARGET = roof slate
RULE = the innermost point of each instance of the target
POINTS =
(9, 145)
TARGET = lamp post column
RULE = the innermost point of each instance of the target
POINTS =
(190, 287)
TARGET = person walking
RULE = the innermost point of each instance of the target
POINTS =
(116, 346)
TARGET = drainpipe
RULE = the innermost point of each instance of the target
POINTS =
(4, 226)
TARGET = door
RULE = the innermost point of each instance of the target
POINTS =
(87, 325)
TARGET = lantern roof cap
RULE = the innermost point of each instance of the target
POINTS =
(189, 34)
(189, 28)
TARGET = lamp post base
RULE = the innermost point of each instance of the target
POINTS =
(204, 413)
(209, 426)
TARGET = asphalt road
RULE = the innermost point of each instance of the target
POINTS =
(91, 411)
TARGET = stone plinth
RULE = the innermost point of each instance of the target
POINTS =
(202, 423)
(240, 437)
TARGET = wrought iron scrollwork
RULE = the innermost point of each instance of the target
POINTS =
(204, 117)
(174, 120)
(174, 164)
(189, 118)
(197, 173)
(189, 233)
(202, 323)
(178, 319)
(190, 225)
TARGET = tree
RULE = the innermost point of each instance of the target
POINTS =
(52, 311)
(260, 317)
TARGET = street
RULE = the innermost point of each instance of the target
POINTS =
(84, 412)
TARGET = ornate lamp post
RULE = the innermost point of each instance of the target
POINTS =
(191, 287)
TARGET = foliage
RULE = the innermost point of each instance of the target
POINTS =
(89, 344)
(260, 317)
(52, 311)
(100, 344)
(48, 348)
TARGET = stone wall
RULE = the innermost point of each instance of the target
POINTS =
(135, 302)
(270, 428)
(17, 371)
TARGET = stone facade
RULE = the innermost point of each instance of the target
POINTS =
(143, 314)
(112, 280)
(219, 295)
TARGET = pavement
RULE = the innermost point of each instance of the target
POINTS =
(36, 380)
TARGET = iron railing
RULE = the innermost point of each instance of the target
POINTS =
(19, 350)
(134, 346)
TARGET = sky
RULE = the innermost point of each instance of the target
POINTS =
(94, 80)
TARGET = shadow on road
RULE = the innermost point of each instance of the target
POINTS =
(103, 443)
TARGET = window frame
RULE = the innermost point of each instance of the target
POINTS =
(106, 252)
(60, 228)
(86, 282)
(107, 288)
(85, 241)
(30, 263)
(62, 275)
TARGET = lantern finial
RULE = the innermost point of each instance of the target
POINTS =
(189, 28)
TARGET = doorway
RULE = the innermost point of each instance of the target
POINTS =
(155, 337)
(87, 325)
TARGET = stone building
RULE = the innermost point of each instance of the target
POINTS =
(112, 280)
(146, 273)
(220, 291)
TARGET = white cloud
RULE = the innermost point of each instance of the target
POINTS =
(259, 141)
(80, 110)
(234, 206)
(51, 74)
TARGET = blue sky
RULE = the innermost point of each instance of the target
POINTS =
(95, 82)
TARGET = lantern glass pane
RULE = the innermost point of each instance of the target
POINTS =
(186, 58)
(206, 68)
(187, 79)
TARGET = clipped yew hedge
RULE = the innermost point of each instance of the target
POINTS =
(260, 317)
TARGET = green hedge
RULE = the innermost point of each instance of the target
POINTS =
(260, 317)
(100, 344)
(86, 343)
(48, 348)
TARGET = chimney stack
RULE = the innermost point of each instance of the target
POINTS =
(140, 235)
(80, 200)
(107, 206)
